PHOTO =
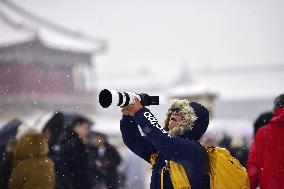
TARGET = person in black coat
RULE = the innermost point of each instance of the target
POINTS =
(104, 160)
(72, 167)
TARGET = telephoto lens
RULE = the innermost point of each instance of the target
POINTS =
(109, 97)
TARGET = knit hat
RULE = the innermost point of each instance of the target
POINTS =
(195, 119)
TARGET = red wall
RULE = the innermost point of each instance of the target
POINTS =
(10, 78)
(35, 78)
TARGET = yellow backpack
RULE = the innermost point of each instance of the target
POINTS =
(224, 170)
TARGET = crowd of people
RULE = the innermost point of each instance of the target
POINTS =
(63, 152)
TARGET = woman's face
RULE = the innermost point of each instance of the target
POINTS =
(175, 120)
(82, 129)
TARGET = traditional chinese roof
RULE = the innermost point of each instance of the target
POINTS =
(20, 26)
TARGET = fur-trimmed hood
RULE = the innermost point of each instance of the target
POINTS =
(195, 119)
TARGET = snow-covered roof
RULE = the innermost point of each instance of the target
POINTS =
(185, 85)
(50, 39)
(266, 82)
(16, 28)
(11, 32)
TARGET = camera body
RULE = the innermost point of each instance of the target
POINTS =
(108, 97)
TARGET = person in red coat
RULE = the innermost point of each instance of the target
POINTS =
(266, 158)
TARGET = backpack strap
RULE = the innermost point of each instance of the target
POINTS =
(166, 167)
(153, 161)
(206, 167)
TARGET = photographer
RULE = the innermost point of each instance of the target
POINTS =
(185, 123)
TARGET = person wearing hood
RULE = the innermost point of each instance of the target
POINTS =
(32, 168)
(265, 163)
(184, 125)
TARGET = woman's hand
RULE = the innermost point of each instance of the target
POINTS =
(132, 108)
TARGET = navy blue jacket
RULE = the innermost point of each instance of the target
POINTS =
(183, 150)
